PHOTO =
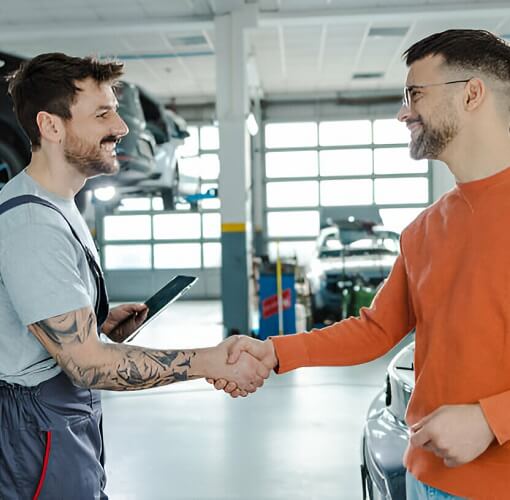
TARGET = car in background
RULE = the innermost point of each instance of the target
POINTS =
(15, 152)
(352, 258)
(170, 130)
(385, 433)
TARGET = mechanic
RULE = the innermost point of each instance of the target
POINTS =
(451, 281)
(53, 301)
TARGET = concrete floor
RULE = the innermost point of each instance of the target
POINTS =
(296, 438)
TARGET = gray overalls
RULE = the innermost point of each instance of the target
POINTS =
(51, 439)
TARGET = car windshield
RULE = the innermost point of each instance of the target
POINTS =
(376, 243)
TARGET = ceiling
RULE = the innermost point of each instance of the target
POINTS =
(300, 48)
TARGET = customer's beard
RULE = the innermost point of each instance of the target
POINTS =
(431, 142)
(89, 159)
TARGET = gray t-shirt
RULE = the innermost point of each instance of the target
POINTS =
(43, 273)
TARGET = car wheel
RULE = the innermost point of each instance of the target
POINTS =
(82, 200)
(11, 163)
(168, 199)
(318, 314)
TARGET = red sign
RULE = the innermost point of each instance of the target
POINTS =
(270, 304)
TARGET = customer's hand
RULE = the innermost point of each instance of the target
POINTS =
(123, 320)
(243, 375)
(263, 351)
(456, 433)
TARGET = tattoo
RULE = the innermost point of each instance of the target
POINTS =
(72, 340)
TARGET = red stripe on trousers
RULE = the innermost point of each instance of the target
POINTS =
(44, 465)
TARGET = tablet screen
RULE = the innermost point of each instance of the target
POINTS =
(164, 297)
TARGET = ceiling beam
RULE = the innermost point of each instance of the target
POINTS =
(374, 14)
(28, 32)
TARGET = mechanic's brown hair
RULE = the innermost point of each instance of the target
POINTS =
(48, 83)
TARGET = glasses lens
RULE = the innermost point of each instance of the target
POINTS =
(406, 97)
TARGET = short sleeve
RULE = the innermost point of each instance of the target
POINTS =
(39, 266)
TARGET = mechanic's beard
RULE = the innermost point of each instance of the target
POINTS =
(89, 159)
(431, 142)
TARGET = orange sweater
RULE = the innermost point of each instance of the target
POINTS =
(452, 283)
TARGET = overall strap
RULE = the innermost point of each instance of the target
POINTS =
(30, 198)
(101, 307)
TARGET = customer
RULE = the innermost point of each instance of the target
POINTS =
(451, 282)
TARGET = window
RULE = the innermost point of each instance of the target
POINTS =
(291, 135)
(390, 132)
(345, 162)
(401, 190)
(177, 226)
(346, 192)
(299, 223)
(292, 194)
(127, 257)
(212, 254)
(291, 164)
(397, 161)
(177, 256)
(209, 137)
(127, 227)
(345, 133)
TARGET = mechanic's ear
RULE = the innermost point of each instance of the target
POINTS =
(51, 127)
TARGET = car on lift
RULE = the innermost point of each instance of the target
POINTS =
(15, 150)
(385, 433)
(352, 258)
(170, 131)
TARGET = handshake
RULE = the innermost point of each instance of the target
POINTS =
(240, 365)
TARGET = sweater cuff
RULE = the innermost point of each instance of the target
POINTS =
(496, 410)
(291, 352)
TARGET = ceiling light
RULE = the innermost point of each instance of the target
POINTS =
(384, 32)
(368, 75)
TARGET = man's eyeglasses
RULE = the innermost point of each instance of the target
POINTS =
(408, 91)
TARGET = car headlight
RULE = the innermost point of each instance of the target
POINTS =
(105, 193)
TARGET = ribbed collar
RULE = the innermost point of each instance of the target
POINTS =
(474, 188)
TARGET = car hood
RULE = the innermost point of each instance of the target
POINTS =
(334, 264)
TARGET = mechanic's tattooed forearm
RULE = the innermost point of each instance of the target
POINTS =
(72, 340)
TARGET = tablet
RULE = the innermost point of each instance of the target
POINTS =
(163, 298)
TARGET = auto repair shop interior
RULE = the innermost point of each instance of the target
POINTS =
(264, 157)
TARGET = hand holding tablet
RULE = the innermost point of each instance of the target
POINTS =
(163, 298)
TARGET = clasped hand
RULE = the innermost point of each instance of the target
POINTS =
(455, 433)
(248, 363)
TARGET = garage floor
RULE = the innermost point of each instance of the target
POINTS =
(297, 438)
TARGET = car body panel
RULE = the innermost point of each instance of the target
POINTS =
(385, 434)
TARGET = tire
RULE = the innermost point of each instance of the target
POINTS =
(82, 200)
(168, 199)
(11, 163)
(169, 195)
(318, 314)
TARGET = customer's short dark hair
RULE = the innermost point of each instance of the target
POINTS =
(48, 83)
(471, 50)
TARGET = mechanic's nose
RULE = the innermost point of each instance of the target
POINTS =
(121, 129)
